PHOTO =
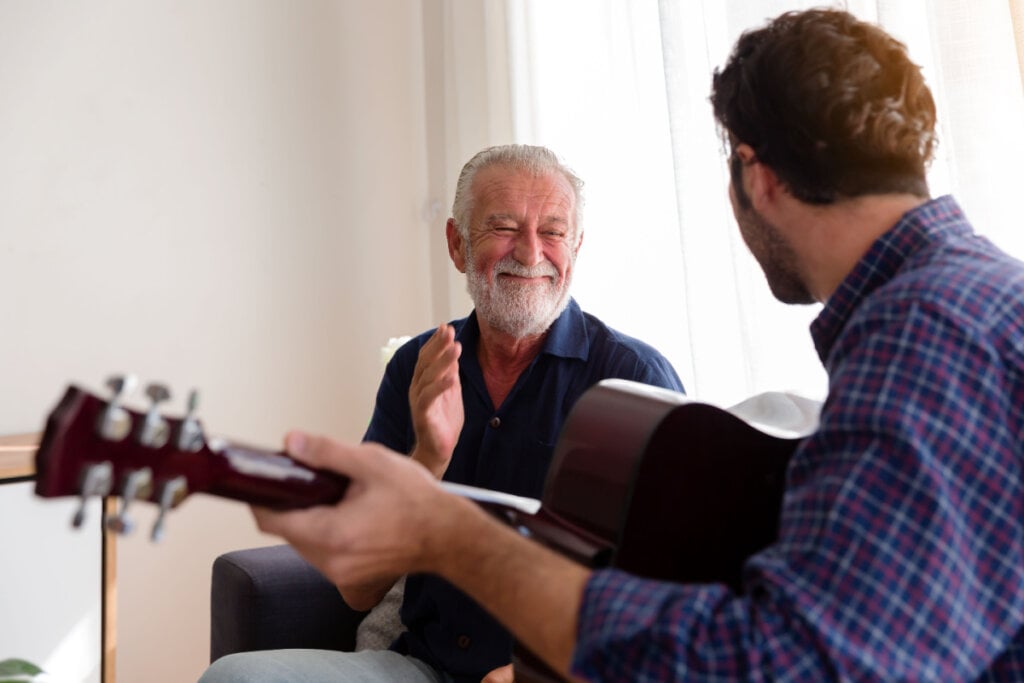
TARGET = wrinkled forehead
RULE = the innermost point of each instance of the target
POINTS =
(520, 191)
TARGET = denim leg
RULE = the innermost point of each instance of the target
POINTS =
(319, 666)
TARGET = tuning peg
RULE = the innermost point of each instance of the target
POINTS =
(96, 481)
(138, 484)
(122, 385)
(115, 423)
(172, 492)
(190, 434)
(155, 430)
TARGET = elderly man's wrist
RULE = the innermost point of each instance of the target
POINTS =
(435, 463)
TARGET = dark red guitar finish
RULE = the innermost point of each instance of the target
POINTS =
(72, 447)
(678, 490)
(642, 479)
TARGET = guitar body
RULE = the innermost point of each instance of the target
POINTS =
(676, 490)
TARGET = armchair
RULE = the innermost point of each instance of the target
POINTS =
(269, 597)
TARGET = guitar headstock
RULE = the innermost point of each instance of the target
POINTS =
(96, 446)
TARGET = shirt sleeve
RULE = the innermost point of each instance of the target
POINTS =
(657, 371)
(391, 422)
(625, 357)
(900, 548)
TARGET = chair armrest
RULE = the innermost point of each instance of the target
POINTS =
(269, 598)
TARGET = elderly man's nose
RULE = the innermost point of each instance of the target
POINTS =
(529, 250)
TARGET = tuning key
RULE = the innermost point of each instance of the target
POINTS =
(115, 423)
(137, 485)
(155, 430)
(172, 492)
(190, 434)
(97, 480)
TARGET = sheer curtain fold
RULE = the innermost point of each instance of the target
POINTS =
(623, 97)
(467, 106)
(1017, 16)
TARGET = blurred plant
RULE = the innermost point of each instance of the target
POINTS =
(389, 349)
(19, 671)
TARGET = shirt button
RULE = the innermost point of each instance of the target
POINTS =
(462, 642)
(495, 422)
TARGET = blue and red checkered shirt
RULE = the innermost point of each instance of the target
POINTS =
(901, 545)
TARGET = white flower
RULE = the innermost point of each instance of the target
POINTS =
(389, 349)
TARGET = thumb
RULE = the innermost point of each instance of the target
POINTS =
(322, 453)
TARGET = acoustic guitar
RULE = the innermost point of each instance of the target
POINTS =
(642, 479)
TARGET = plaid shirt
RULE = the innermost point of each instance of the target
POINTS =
(901, 545)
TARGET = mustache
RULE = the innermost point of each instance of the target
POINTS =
(509, 266)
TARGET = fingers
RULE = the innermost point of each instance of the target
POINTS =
(438, 358)
(435, 400)
(504, 674)
(437, 369)
(320, 452)
(292, 525)
(316, 451)
(358, 463)
(368, 533)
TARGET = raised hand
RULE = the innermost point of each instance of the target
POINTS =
(435, 400)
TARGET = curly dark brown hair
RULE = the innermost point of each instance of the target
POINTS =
(832, 104)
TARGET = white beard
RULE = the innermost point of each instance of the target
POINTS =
(519, 309)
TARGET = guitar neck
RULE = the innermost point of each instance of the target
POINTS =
(270, 479)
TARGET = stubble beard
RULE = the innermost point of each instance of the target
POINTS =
(770, 249)
(775, 256)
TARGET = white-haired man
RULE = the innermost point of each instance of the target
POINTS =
(481, 401)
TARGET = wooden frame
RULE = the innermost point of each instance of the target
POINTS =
(17, 461)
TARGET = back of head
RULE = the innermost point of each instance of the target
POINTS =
(831, 104)
(532, 159)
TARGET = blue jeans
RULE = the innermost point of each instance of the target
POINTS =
(320, 666)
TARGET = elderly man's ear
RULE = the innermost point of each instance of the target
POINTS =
(456, 245)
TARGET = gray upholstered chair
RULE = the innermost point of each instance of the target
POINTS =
(269, 597)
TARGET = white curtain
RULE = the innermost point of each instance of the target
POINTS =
(619, 88)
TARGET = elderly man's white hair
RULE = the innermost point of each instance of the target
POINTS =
(533, 159)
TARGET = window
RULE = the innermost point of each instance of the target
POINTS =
(619, 90)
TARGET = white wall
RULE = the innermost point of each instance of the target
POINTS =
(228, 195)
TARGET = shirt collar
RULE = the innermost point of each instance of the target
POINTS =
(567, 336)
(916, 229)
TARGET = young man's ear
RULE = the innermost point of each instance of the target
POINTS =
(456, 245)
(759, 181)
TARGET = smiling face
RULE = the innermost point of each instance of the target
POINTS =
(521, 249)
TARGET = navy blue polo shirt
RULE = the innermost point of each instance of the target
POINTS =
(505, 448)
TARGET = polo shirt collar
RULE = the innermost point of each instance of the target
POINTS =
(567, 336)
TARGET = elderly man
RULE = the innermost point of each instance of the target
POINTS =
(481, 401)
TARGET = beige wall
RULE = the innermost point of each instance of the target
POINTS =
(230, 195)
